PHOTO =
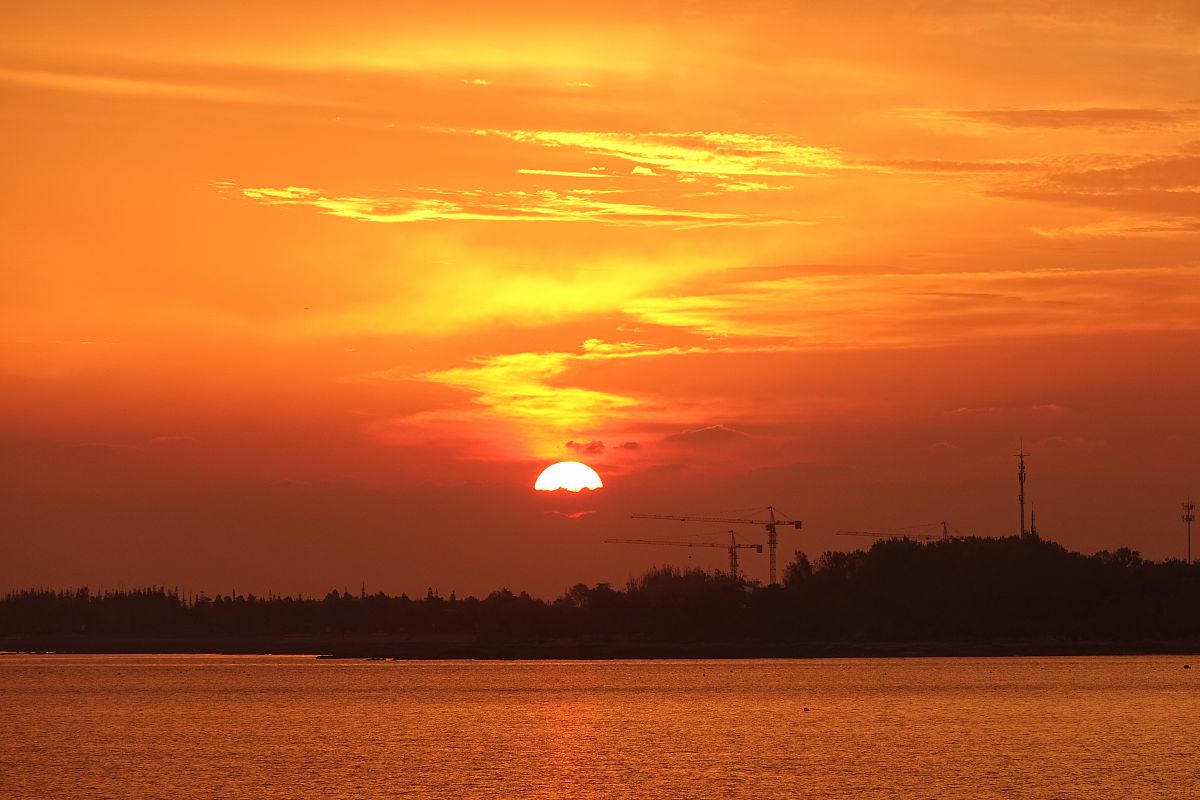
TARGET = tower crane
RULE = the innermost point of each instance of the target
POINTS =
(769, 523)
(732, 547)
(900, 533)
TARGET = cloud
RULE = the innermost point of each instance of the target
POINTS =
(1049, 408)
(544, 205)
(749, 186)
(600, 347)
(1121, 226)
(590, 448)
(518, 386)
(570, 515)
(878, 307)
(963, 411)
(707, 436)
(1116, 118)
(124, 86)
(1168, 202)
(521, 403)
(173, 441)
(1042, 408)
(1172, 172)
(692, 154)
(640, 170)
(560, 173)
(1163, 185)
(934, 166)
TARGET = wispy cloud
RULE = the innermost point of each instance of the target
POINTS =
(173, 440)
(933, 166)
(570, 514)
(708, 436)
(814, 309)
(963, 411)
(91, 83)
(562, 173)
(1162, 185)
(1039, 408)
(527, 401)
(532, 402)
(519, 386)
(1122, 226)
(690, 154)
(594, 447)
(541, 205)
(1113, 118)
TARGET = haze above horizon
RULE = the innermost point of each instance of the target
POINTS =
(303, 300)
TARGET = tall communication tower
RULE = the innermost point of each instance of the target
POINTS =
(1020, 456)
(1189, 516)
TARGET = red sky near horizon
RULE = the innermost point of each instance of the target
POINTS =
(297, 301)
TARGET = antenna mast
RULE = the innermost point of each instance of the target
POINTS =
(1020, 456)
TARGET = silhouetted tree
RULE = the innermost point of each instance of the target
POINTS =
(898, 590)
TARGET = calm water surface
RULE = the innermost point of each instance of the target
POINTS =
(293, 727)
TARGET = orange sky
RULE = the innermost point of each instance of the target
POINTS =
(295, 301)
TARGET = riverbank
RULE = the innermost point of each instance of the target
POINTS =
(450, 648)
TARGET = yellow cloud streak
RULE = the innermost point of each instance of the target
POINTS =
(543, 205)
(457, 292)
(698, 153)
(519, 410)
(559, 173)
(523, 406)
(519, 387)
(528, 396)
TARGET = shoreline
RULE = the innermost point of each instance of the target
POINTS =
(388, 648)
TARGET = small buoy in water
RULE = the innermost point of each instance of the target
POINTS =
(1187, 666)
(806, 708)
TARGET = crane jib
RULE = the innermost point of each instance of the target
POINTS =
(771, 525)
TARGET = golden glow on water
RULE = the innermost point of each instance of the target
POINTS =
(288, 727)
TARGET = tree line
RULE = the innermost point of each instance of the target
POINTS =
(897, 590)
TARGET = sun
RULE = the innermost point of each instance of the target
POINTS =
(570, 475)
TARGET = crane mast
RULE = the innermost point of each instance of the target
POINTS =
(771, 524)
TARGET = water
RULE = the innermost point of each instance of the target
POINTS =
(295, 727)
